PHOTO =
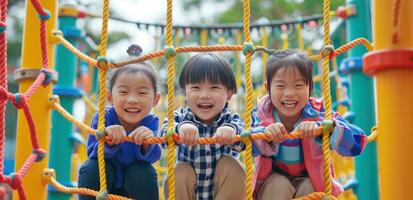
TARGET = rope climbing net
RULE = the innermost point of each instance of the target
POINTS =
(19, 100)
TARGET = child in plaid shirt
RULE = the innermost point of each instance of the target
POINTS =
(209, 171)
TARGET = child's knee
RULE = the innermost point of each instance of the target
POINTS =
(89, 174)
(185, 179)
(141, 171)
(277, 184)
(230, 166)
(185, 174)
(304, 188)
(90, 168)
(141, 181)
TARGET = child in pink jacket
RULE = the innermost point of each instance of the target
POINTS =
(293, 168)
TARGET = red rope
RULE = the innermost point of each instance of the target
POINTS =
(43, 43)
(26, 166)
(21, 103)
(16, 181)
(3, 83)
(35, 85)
(32, 127)
(38, 7)
(22, 195)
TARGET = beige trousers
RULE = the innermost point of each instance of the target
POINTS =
(229, 181)
(279, 187)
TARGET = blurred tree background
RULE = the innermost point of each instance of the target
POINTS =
(270, 9)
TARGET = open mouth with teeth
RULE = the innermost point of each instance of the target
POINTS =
(205, 106)
(132, 110)
(289, 104)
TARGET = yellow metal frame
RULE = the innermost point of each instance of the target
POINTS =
(394, 92)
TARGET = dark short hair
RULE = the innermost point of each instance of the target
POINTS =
(207, 67)
(290, 59)
(144, 67)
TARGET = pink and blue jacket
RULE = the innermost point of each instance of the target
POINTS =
(346, 139)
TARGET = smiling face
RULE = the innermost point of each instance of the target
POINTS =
(289, 93)
(207, 100)
(133, 97)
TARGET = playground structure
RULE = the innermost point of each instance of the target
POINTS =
(391, 34)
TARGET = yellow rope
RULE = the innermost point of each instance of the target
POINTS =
(212, 140)
(89, 103)
(171, 75)
(248, 103)
(159, 53)
(327, 100)
(171, 156)
(74, 50)
(102, 96)
(49, 177)
(71, 119)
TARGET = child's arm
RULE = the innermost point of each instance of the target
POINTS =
(92, 143)
(347, 139)
(149, 152)
(261, 147)
(238, 125)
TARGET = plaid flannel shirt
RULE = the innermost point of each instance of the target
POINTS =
(204, 158)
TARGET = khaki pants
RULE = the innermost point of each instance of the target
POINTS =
(279, 187)
(229, 181)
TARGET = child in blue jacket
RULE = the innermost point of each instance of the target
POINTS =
(132, 92)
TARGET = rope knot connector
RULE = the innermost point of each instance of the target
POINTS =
(48, 76)
(248, 48)
(328, 50)
(57, 32)
(170, 136)
(328, 125)
(16, 181)
(170, 51)
(246, 135)
(46, 16)
(102, 195)
(102, 62)
(100, 134)
(41, 153)
(54, 99)
(19, 101)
